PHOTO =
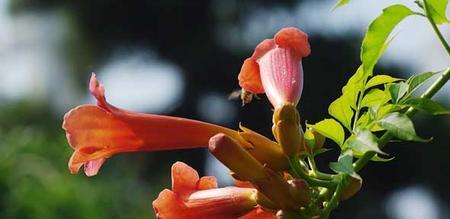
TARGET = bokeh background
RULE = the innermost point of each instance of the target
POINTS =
(181, 58)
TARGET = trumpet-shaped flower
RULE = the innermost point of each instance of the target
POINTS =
(275, 67)
(97, 132)
(192, 197)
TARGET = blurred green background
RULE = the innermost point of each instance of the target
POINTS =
(181, 58)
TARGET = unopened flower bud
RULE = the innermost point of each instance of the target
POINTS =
(276, 188)
(264, 150)
(236, 158)
(300, 191)
(287, 130)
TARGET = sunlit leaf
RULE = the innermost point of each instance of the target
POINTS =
(331, 129)
(400, 126)
(374, 97)
(363, 120)
(398, 90)
(379, 30)
(363, 142)
(341, 3)
(342, 111)
(427, 105)
(344, 163)
(354, 86)
(310, 139)
(380, 79)
(437, 10)
(416, 81)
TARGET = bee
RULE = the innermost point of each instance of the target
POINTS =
(245, 96)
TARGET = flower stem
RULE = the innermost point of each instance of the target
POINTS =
(342, 180)
(315, 171)
(300, 173)
(386, 137)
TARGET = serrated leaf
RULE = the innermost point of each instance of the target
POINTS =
(331, 129)
(380, 79)
(344, 163)
(374, 97)
(427, 105)
(418, 80)
(398, 90)
(342, 111)
(437, 10)
(400, 126)
(363, 142)
(377, 34)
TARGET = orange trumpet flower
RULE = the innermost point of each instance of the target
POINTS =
(97, 132)
(193, 197)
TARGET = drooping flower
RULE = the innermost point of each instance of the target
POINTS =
(192, 197)
(97, 132)
(275, 67)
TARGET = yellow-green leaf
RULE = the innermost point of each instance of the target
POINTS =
(380, 79)
(341, 3)
(374, 97)
(437, 8)
(379, 30)
(342, 111)
(331, 129)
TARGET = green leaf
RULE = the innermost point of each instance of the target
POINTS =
(344, 164)
(375, 158)
(310, 139)
(427, 105)
(380, 79)
(375, 97)
(331, 129)
(363, 142)
(379, 30)
(342, 111)
(400, 126)
(437, 10)
(341, 3)
(416, 81)
(398, 90)
(353, 87)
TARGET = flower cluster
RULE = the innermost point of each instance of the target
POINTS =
(266, 185)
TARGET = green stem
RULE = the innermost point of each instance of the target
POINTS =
(435, 28)
(300, 173)
(315, 171)
(431, 91)
(334, 201)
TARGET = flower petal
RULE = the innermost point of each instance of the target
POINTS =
(259, 213)
(249, 78)
(207, 182)
(184, 178)
(295, 39)
(263, 47)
